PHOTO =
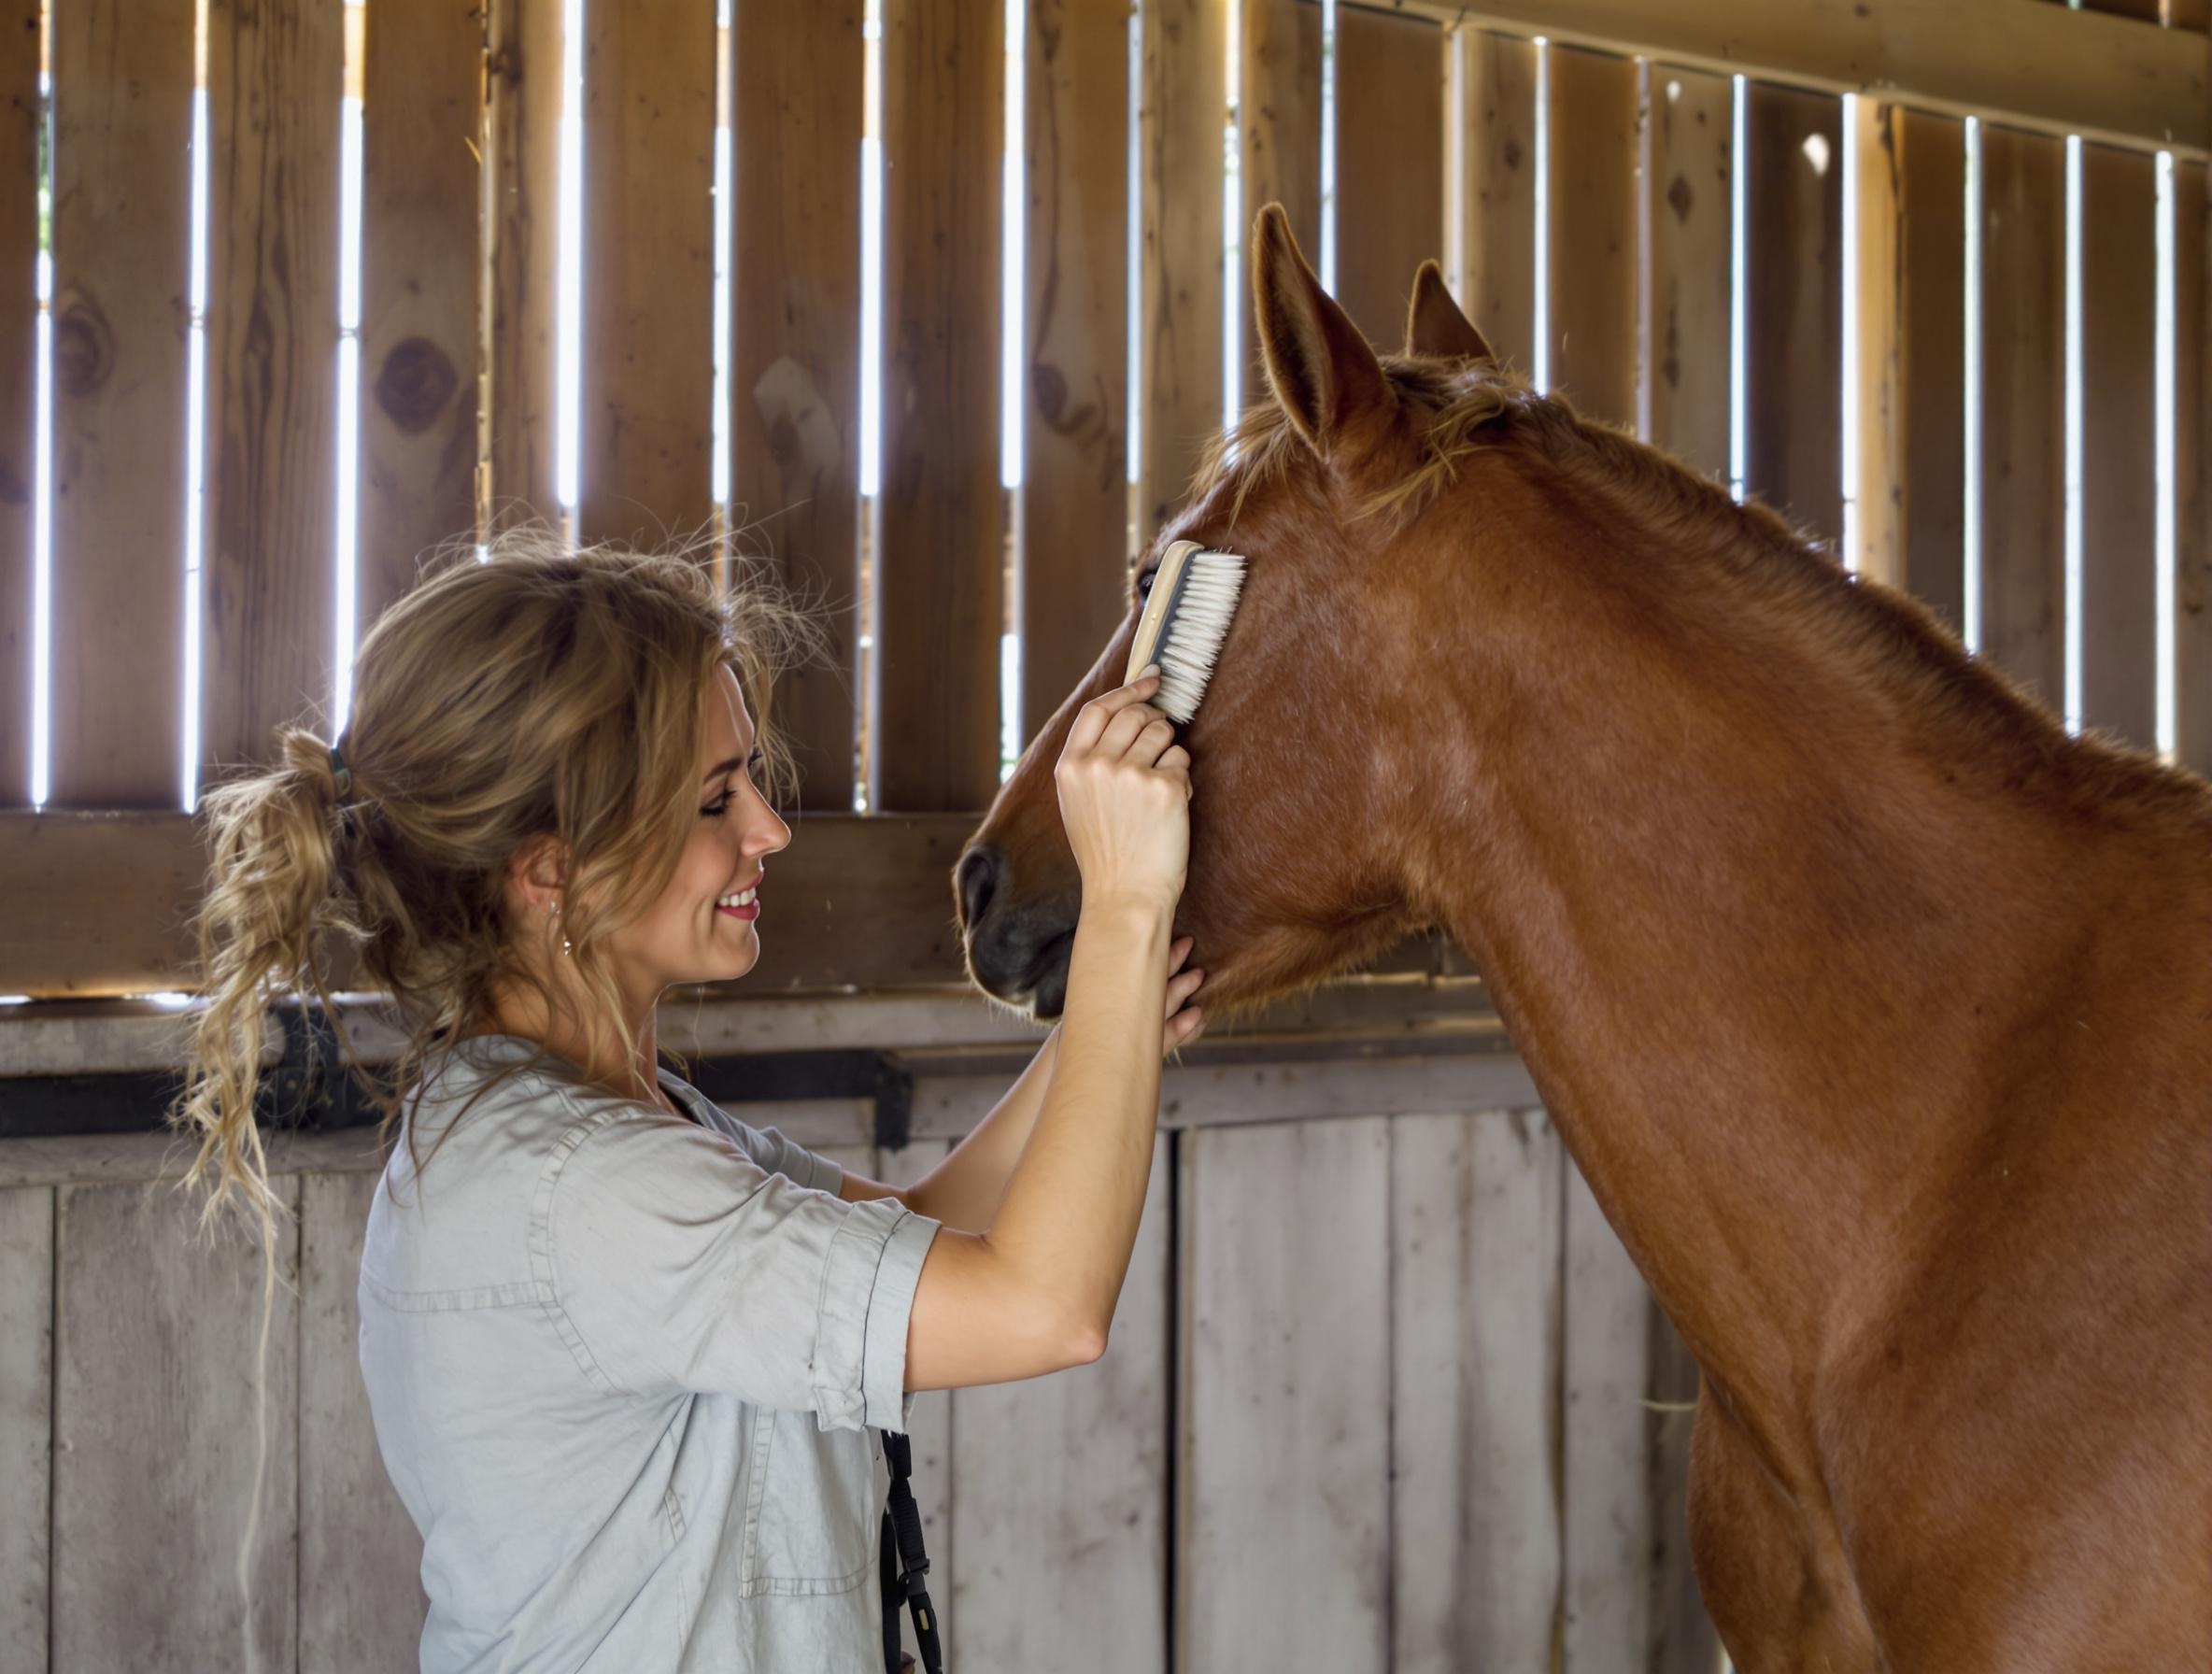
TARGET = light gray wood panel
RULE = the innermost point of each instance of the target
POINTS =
(1474, 1440)
(1282, 1455)
(931, 1434)
(26, 1419)
(1063, 1515)
(155, 1440)
(1606, 1366)
(361, 1604)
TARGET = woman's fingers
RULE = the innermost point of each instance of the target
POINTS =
(1184, 1027)
(1092, 718)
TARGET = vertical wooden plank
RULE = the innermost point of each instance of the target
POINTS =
(155, 1438)
(1475, 1441)
(1794, 306)
(26, 1422)
(1912, 327)
(935, 1480)
(1687, 178)
(1279, 125)
(1074, 516)
(18, 374)
(1390, 164)
(121, 246)
(794, 265)
(2193, 469)
(421, 261)
(1593, 231)
(2118, 313)
(523, 90)
(1282, 1455)
(2023, 409)
(1682, 1639)
(645, 454)
(1876, 374)
(1495, 281)
(361, 1604)
(267, 580)
(1180, 133)
(939, 599)
(1062, 1490)
(1607, 1520)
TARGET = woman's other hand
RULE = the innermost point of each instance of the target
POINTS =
(1185, 1023)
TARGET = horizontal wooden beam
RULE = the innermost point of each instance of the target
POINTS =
(99, 905)
(2042, 67)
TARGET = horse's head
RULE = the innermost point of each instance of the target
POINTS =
(1304, 749)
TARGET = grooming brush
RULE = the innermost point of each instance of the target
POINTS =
(1186, 616)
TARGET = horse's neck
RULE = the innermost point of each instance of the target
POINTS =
(1751, 926)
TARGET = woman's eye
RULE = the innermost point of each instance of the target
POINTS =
(721, 804)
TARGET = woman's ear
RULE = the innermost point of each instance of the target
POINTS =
(1435, 327)
(1323, 373)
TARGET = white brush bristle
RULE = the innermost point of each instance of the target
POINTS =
(1201, 622)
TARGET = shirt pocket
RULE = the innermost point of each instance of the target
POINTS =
(814, 1515)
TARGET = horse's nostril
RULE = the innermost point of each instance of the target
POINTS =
(980, 870)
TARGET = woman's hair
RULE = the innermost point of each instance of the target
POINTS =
(541, 691)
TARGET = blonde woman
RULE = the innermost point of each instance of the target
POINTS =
(629, 1357)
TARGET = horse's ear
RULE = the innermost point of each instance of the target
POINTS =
(1434, 324)
(1324, 372)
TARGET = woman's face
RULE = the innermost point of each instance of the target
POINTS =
(687, 936)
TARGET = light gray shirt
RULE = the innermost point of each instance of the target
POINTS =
(629, 1375)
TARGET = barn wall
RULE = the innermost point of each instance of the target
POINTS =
(1382, 1326)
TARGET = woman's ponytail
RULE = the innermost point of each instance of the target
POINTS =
(273, 862)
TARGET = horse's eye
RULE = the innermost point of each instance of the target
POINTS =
(1145, 584)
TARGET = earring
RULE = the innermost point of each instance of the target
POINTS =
(554, 907)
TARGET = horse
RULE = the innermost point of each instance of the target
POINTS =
(1875, 1009)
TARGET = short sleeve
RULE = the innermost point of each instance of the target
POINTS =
(677, 1261)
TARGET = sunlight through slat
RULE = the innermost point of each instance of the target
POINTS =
(1971, 520)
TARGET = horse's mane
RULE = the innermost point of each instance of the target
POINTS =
(1471, 405)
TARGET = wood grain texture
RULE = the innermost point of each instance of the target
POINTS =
(268, 576)
(939, 561)
(1593, 143)
(794, 266)
(1283, 1403)
(1688, 179)
(1474, 1440)
(1075, 492)
(2118, 313)
(155, 1433)
(2023, 407)
(121, 316)
(645, 457)
(27, 1424)
(1180, 122)
(1608, 1525)
(1279, 134)
(935, 1480)
(1794, 306)
(19, 124)
(1061, 1483)
(1495, 275)
(1390, 164)
(2034, 66)
(1926, 158)
(421, 320)
(522, 230)
(2193, 469)
(361, 1599)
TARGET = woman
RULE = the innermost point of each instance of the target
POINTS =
(628, 1357)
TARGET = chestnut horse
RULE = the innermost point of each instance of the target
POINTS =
(1875, 1009)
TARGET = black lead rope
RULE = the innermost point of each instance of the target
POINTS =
(903, 1523)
